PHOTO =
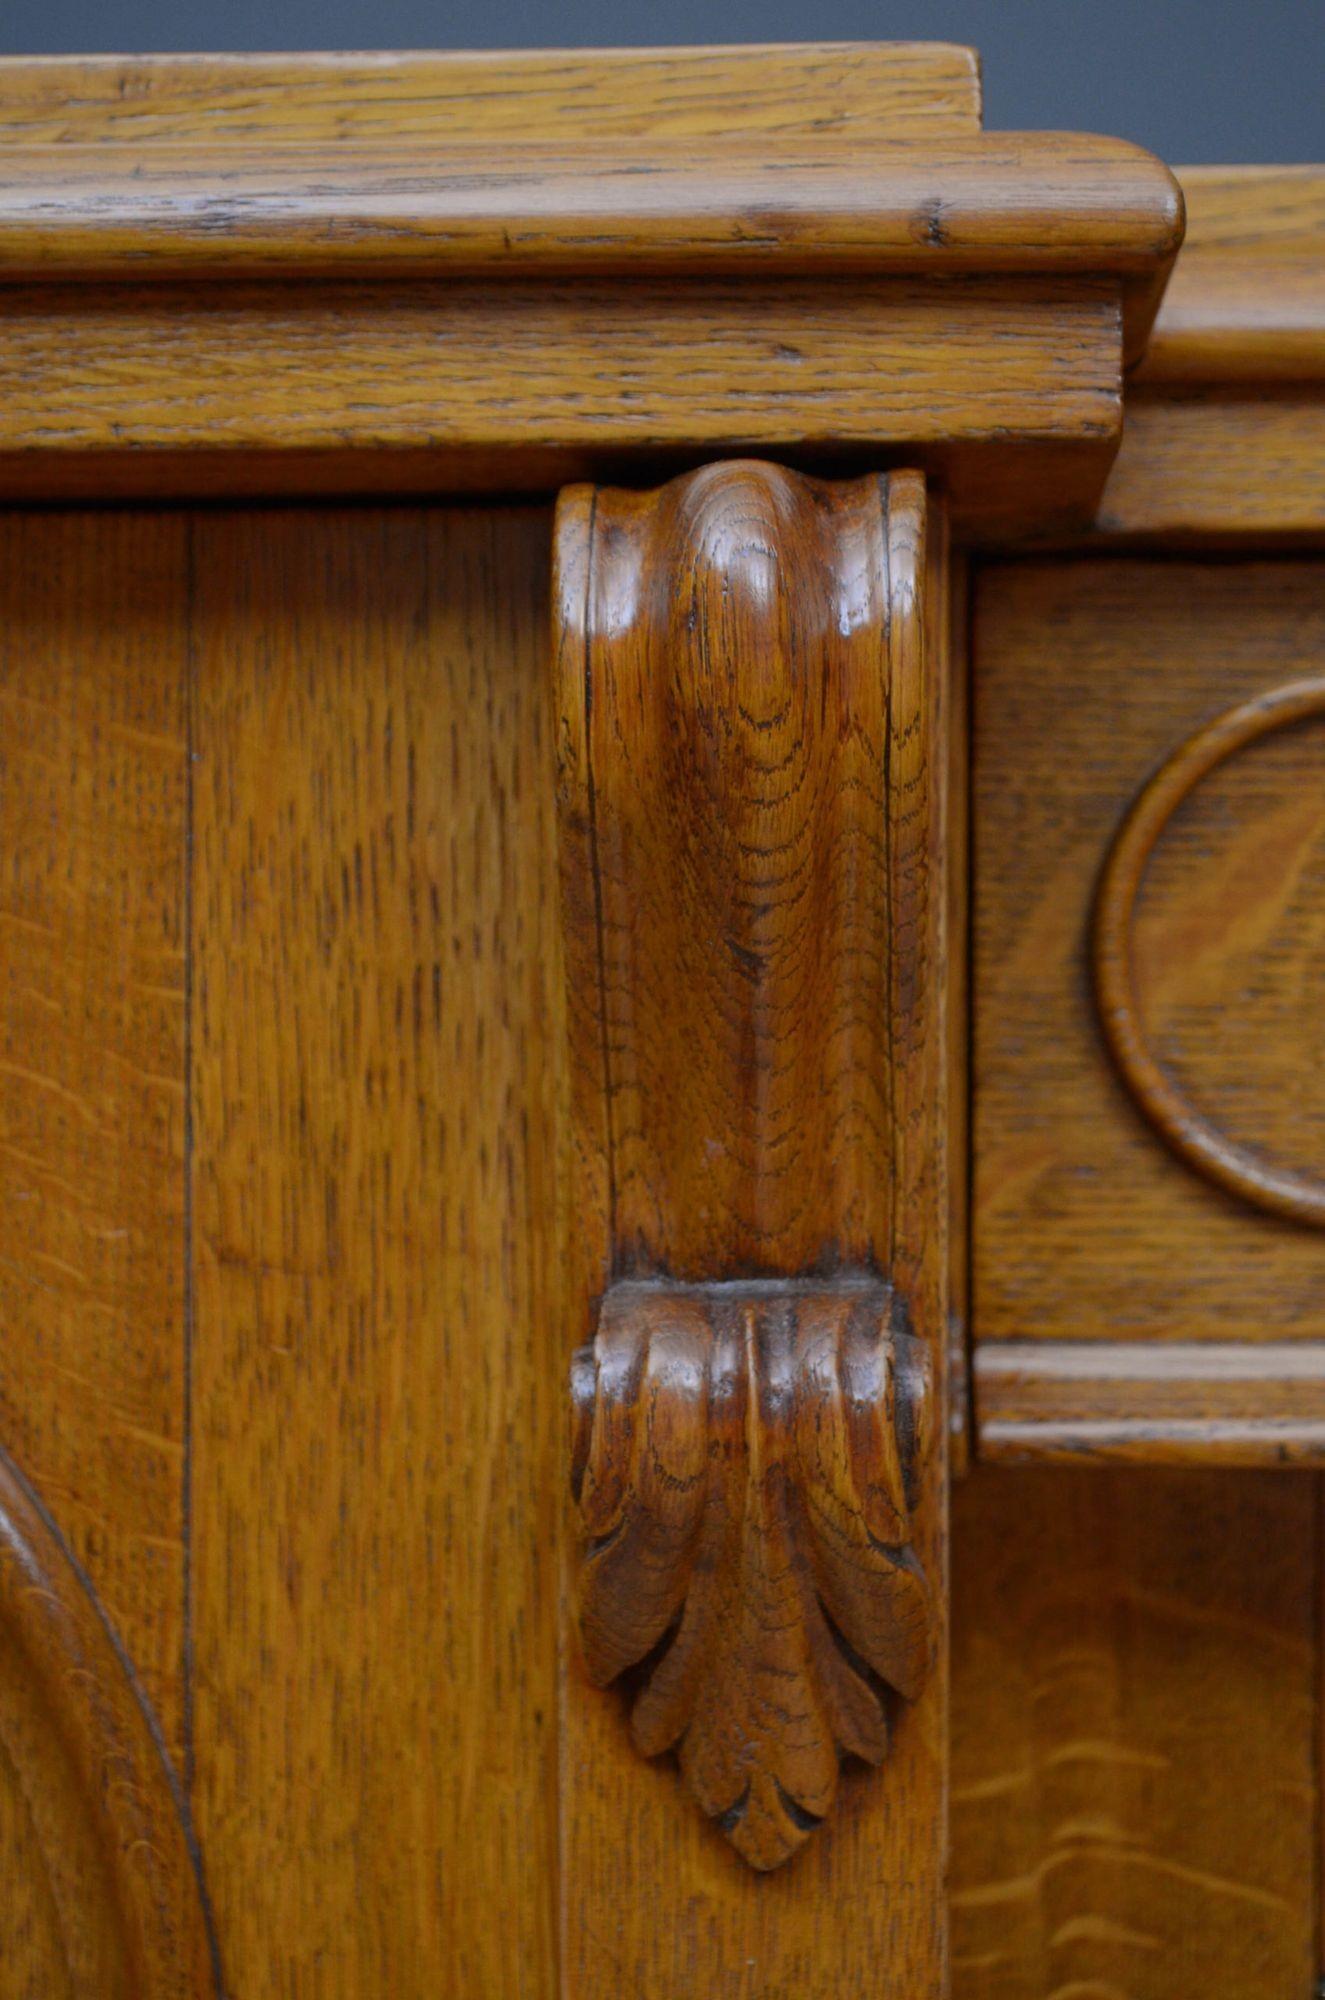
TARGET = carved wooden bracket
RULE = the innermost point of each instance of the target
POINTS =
(751, 823)
(744, 1466)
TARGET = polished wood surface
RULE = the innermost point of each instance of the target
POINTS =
(303, 1202)
(746, 1459)
(1045, 204)
(284, 1353)
(489, 301)
(106, 1834)
(1200, 470)
(1225, 434)
(1241, 1171)
(1135, 1675)
(749, 778)
(93, 1098)
(1086, 1227)
(377, 1345)
(1246, 302)
(749, 797)
(1201, 1402)
(471, 386)
(750, 803)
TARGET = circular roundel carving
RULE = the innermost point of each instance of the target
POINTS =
(1193, 1138)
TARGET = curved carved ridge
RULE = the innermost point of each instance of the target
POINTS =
(1200, 1145)
(124, 1784)
(743, 1464)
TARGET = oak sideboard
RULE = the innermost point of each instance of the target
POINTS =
(662, 1038)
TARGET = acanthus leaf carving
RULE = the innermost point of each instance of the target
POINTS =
(743, 1469)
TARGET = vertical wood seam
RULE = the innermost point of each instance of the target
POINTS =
(884, 491)
(595, 864)
(189, 1300)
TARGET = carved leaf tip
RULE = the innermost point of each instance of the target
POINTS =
(743, 1457)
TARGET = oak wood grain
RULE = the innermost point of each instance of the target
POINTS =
(1205, 467)
(1086, 1227)
(36, 1954)
(1225, 433)
(491, 291)
(1134, 1719)
(93, 820)
(1246, 300)
(792, 93)
(378, 1350)
(1026, 203)
(1245, 1172)
(745, 789)
(745, 1464)
(949, 627)
(1225, 1403)
(751, 782)
(1010, 388)
(106, 1834)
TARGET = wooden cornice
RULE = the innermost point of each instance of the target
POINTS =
(469, 273)
(1024, 204)
(1246, 303)
(1224, 434)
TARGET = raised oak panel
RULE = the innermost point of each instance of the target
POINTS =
(1088, 676)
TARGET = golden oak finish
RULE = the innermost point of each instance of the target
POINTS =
(745, 1458)
(105, 1816)
(859, 90)
(93, 891)
(879, 277)
(317, 1163)
(1202, 1402)
(748, 766)
(1199, 469)
(378, 1351)
(1225, 430)
(750, 804)
(1134, 1796)
(1086, 1226)
(526, 207)
(1246, 303)
(472, 386)
(1243, 1172)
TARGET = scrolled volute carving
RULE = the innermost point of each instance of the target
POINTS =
(743, 1466)
(750, 792)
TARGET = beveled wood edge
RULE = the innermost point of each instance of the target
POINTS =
(1033, 204)
(1228, 1403)
(1225, 414)
(115, 1751)
(1246, 301)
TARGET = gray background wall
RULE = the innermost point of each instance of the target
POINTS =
(1212, 80)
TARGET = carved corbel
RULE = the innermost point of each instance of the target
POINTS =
(751, 833)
